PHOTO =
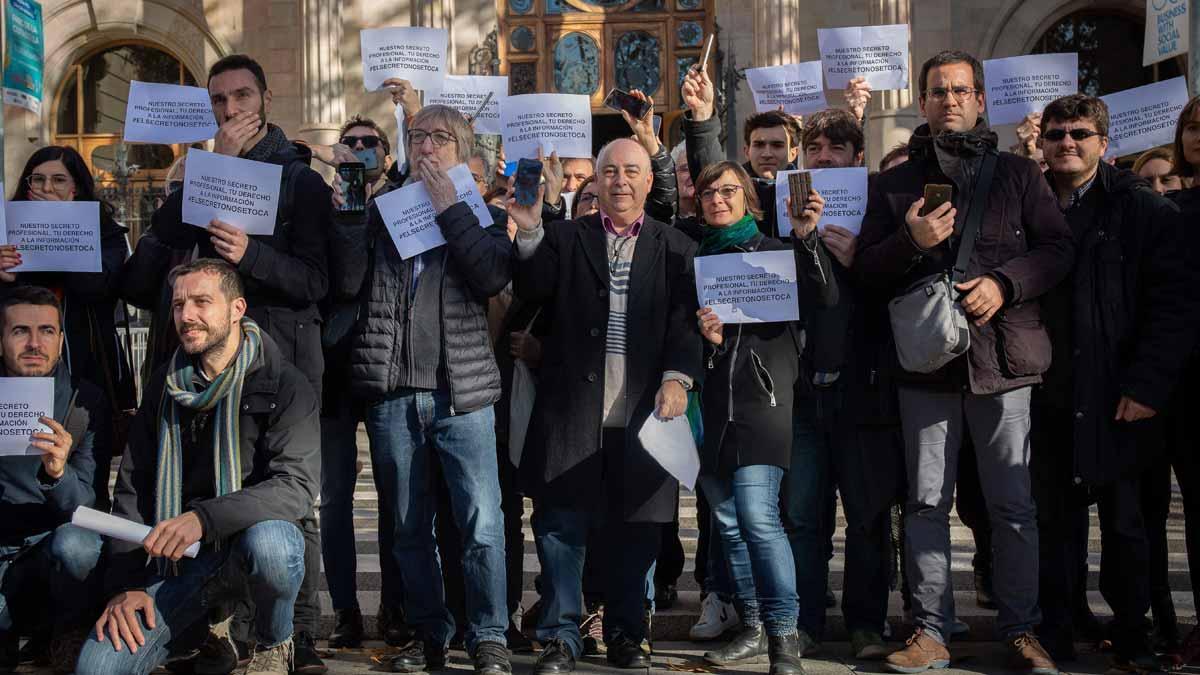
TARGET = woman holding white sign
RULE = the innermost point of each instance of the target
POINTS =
(751, 372)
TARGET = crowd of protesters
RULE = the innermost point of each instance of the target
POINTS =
(268, 352)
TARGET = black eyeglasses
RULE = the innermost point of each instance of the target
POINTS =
(368, 142)
(440, 138)
(1056, 135)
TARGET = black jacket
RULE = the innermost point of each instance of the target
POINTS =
(474, 266)
(279, 435)
(1023, 242)
(31, 502)
(1131, 307)
(569, 275)
(286, 273)
(750, 378)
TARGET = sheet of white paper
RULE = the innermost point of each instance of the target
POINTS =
(1166, 30)
(400, 147)
(465, 93)
(22, 401)
(844, 192)
(241, 192)
(409, 53)
(877, 53)
(757, 287)
(408, 213)
(796, 86)
(556, 122)
(118, 528)
(54, 236)
(1144, 117)
(671, 444)
(168, 113)
(1019, 85)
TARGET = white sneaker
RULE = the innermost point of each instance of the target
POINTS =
(716, 617)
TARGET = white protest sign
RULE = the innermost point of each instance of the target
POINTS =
(408, 53)
(168, 113)
(672, 445)
(755, 287)
(559, 123)
(1019, 85)
(1144, 117)
(795, 86)
(465, 93)
(54, 236)
(400, 147)
(22, 401)
(877, 53)
(844, 192)
(1166, 30)
(241, 192)
(408, 213)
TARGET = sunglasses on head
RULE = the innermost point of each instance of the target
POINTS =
(1057, 135)
(368, 142)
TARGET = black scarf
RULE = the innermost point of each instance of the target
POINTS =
(957, 153)
(272, 144)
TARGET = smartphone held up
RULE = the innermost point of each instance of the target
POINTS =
(526, 180)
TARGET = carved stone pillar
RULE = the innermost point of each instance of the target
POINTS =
(324, 107)
(891, 115)
(777, 32)
(437, 14)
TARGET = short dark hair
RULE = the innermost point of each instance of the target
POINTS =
(950, 57)
(712, 172)
(769, 120)
(240, 62)
(29, 295)
(839, 126)
(901, 150)
(230, 280)
(360, 121)
(1077, 107)
(1180, 166)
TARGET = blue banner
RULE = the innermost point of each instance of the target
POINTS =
(23, 56)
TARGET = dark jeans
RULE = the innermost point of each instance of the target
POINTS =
(972, 509)
(1156, 508)
(805, 499)
(1181, 448)
(52, 571)
(669, 566)
(703, 536)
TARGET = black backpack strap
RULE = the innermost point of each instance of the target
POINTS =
(287, 192)
(979, 195)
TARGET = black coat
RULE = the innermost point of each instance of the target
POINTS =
(280, 437)
(569, 274)
(1131, 303)
(750, 378)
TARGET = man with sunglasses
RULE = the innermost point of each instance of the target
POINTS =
(361, 140)
(1121, 328)
(1023, 248)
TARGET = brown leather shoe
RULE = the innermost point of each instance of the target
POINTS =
(1029, 655)
(921, 652)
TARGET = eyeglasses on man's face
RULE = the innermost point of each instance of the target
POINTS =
(941, 93)
(368, 142)
(1077, 135)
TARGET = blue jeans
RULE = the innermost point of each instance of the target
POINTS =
(629, 550)
(65, 560)
(405, 428)
(806, 503)
(270, 555)
(746, 509)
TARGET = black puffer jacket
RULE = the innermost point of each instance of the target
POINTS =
(474, 266)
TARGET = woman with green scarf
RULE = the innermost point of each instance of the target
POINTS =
(750, 374)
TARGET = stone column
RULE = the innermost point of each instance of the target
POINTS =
(322, 96)
(891, 115)
(777, 32)
(437, 14)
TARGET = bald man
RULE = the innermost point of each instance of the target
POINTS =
(623, 346)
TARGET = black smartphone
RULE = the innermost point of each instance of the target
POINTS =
(525, 185)
(936, 194)
(354, 188)
(369, 159)
(622, 100)
(800, 184)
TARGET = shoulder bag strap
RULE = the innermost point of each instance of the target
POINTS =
(979, 194)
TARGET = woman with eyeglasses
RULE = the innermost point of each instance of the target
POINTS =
(92, 351)
(751, 372)
(587, 199)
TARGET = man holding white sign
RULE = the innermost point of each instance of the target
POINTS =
(38, 545)
(421, 354)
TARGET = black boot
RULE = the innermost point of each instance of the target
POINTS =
(305, 659)
(1166, 625)
(748, 647)
(348, 629)
(983, 589)
(784, 652)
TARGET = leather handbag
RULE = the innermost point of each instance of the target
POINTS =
(929, 324)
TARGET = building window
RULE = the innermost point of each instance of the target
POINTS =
(1105, 51)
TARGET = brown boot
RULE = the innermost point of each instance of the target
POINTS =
(920, 653)
(1028, 655)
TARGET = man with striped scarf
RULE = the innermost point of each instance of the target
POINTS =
(223, 452)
